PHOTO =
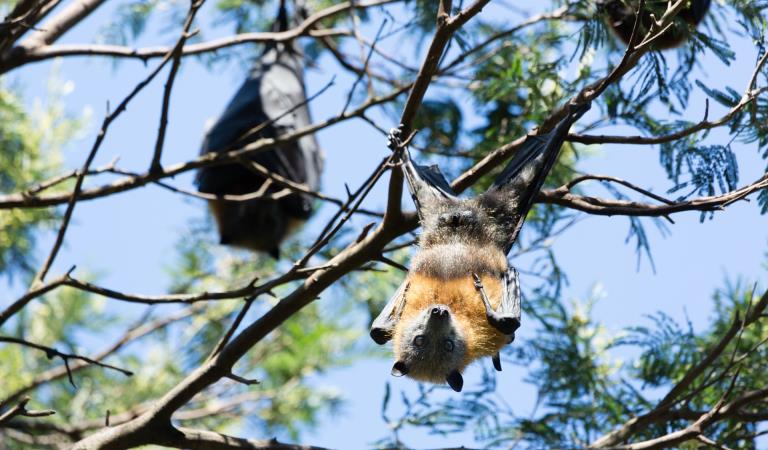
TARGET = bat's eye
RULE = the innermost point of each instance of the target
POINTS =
(418, 341)
(448, 345)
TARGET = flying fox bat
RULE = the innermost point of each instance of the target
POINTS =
(272, 96)
(461, 299)
(621, 17)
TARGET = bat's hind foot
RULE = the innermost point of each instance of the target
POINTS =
(395, 138)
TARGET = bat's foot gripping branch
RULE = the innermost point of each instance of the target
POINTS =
(395, 138)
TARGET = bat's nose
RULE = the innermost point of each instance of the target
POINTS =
(439, 311)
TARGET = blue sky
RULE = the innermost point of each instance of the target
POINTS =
(129, 239)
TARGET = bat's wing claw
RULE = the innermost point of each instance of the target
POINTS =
(507, 318)
(496, 362)
(505, 323)
(383, 327)
(381, 335)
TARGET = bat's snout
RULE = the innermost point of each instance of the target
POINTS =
(439, 312)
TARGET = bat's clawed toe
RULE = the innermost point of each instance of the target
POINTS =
(395, 138)
(496, 362)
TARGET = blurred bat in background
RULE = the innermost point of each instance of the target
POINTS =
(272, 98)
(621, 17)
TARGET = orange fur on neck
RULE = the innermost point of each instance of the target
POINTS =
(467, 307)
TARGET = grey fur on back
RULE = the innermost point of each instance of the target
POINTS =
(458, 237)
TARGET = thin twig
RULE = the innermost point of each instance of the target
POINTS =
(40, 276)
(21, 410)
(52, 353)
(155, 165)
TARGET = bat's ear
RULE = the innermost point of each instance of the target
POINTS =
(455, 380)
(400, 369)
(496, 362)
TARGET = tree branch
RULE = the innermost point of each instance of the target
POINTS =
(202, 439)
(54, 28)
(52, 353)
(21, 410)
(132, 182)
(605, 207)
(36, 51)
(662, 409)
(73, 197)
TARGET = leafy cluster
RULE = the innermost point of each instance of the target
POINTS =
(31, 142)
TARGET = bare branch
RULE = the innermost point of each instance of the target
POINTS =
(155, 165)
(262, 193)
(16, 306)
(580, 179)
(73, 197)
(189, 438)
(605, 207)
(21, 410)
(70, 16)
(31, 53)
(132, 182)
(52, 353)
(745, 101)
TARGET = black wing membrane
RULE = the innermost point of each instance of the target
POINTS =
(519, 182)
(427, 184)
(383, 326)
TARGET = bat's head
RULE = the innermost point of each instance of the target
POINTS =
(432, 347)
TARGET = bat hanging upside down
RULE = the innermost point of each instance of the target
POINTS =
(622, 15)
(273, 100)
(461, 298)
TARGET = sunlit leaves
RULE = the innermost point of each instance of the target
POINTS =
(31, 143)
